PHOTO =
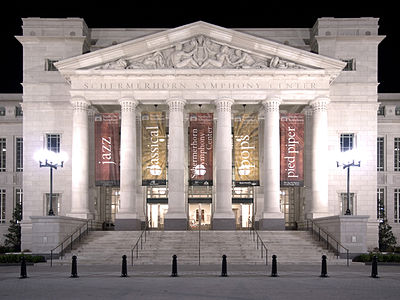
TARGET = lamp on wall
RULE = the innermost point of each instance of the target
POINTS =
(347, 160)
(52, 160)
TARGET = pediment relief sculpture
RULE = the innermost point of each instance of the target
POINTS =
(201, 52)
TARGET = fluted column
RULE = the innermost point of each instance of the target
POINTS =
(176, 217)
(272, 217)
(80, 159)
(319, 152)
(223, 217)
(127, 218)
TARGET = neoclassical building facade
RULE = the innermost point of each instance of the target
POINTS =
(185, 127)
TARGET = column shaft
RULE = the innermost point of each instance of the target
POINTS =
(223, 217)
(272, 218)
(127, 218)
(80, 160)
(319, 166)
(176, 217)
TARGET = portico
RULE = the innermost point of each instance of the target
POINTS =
(154, 73)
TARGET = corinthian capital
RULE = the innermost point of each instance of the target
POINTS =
(271, 104)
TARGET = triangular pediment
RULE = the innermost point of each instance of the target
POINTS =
(199, 45)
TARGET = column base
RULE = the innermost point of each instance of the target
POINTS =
(272, 224)
(175, 224)
(128, 224)
(223, 224)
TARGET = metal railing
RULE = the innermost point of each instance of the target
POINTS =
(139, 241)
(259, 244)
(326, 238)
(72, 240)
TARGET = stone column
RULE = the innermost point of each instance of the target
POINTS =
(80, 159)
(176, 217)
(127, 217)
(223, 217)
(272, 218)
(319, 155)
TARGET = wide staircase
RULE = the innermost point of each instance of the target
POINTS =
(240, 247)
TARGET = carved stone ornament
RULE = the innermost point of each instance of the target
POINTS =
(200, 52)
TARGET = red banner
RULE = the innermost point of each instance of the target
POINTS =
(201, 149)
(107, 147)
(292, 149)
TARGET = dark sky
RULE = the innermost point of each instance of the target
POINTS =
(231, 14)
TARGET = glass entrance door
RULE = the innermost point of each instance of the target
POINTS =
(200, 214)
(288, 207)
(155, 215)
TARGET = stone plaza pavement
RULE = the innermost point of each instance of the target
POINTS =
(200, 282)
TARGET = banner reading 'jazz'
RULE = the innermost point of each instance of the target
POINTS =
(107, 146)
(154, 148)
(245, 149)
(201, 149)
(292, 149)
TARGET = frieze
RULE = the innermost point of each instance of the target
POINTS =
(200, 52)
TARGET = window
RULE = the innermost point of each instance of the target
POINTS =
(350, 64)
(343, 203)
(3, 152)
(397, 111)
(2, 206)
(49, 66)
(381, 110)
(2, 111)
(19, 197)
(397, 205)
(55, 204)
(53, 142)
(19, 162)
(396, 158)
(380, 203)
(346, 142)
(380, 154)
(18, 111)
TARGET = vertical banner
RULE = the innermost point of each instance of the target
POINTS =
(107, 148)
(154, 148)
(292, 149)
(201, 149)
(245, 149)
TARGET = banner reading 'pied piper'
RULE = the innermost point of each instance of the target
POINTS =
(245, 149)
(201, 149)
(292, 149)
(107, 147)
(154, 148)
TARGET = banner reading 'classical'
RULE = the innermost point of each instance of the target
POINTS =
(107, 146)
(201, 149)
(154, 148)
(292, 149)
(245, 149)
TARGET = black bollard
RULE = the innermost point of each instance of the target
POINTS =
(23, 268)
(174, 266)
(274, 272)
(74, 270)
(124, 272)
(224, 272)
(374, 272)
(324, 272)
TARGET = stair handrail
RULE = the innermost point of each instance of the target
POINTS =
(258, 240)
(140, 240)
(331, 242)
(68, 242)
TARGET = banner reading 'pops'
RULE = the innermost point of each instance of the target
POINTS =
(154, 148)
(201, 149)
(107, 146)
(292, 149)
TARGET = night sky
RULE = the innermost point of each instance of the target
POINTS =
(168, 14)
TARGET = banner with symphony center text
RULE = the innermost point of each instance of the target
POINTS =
(201, 149)
(107, 147)
(245, 149)
(154, 148)
(292, 149)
